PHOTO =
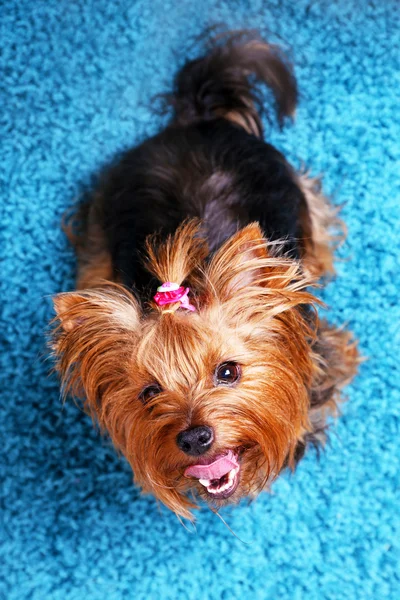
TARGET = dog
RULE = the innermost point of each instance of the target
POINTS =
(193, 337)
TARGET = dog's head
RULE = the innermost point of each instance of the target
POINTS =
(208, 403)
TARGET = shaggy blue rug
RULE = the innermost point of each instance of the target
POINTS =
(77, 79)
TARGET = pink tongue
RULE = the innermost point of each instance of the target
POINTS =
(215, 470)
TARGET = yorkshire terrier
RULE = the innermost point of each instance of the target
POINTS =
(194, 338)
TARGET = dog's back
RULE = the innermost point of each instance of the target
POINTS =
(210, 163)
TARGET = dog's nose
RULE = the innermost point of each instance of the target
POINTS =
(195, 441)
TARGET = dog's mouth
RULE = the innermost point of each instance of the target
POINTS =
(220, 476)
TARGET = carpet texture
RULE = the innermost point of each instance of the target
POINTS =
(76, 87)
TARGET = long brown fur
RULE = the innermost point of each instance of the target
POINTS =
(323, 230)
(86, 234)
(250, 309)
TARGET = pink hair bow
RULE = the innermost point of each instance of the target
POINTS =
(171, 293)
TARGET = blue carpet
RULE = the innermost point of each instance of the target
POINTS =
(75, 88)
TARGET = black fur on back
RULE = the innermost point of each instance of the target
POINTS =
(209, 163)
(212, 170)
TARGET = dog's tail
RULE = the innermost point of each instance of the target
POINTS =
(223, 83)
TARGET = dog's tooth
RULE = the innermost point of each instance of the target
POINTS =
(205, 482)
(232, 474)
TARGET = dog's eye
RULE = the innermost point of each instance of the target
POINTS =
(149, 392)
(227, 373)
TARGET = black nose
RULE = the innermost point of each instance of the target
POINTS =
(195, 441)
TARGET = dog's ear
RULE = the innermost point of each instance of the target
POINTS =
(236, 264)
(113, 305)
(247, 260)
(94, 337)
(67, 307)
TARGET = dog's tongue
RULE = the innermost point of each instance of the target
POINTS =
(214, 470)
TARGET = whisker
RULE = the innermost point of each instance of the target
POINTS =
(229, 528)
(193, 525)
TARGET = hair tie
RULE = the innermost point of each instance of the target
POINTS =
(171, 293)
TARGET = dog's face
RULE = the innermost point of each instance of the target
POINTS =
(210, 403)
